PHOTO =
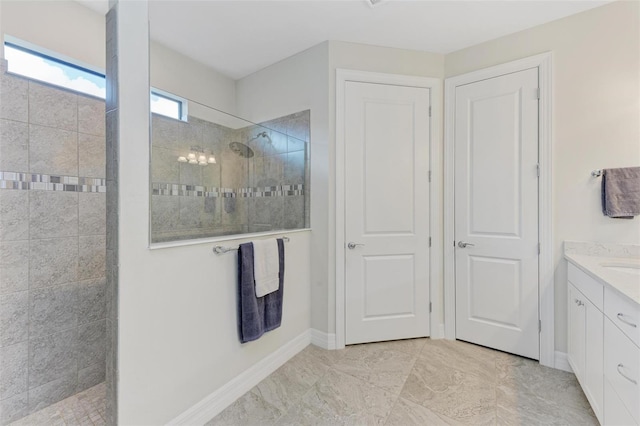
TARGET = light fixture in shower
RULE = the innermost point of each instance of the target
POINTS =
(198, 156)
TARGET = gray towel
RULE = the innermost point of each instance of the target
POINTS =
(256, 315)
(621, 192)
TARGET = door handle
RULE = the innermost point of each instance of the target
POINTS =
(351, 246)
(463, 244)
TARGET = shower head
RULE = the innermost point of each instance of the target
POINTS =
(241, 149)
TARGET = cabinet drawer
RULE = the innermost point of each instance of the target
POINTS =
(622, 367)
(615, 413)
(624, 314)
(591, 288)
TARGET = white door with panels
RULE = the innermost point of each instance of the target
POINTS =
(386, 137)
(496, 213)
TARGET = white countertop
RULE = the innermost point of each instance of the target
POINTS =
(625, 283)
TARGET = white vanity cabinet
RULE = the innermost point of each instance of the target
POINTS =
(586, 346)
(603, 335)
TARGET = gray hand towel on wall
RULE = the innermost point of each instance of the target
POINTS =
(256, 315)
(621, 192)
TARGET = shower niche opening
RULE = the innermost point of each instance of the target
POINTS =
(218, 175)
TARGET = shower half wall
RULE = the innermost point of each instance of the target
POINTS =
(52, 245)
(259, 181)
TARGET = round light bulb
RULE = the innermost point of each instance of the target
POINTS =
(202, 163)
(193, 161)
(212, 160)
(182, 159)
(202, 159)
(191, 156)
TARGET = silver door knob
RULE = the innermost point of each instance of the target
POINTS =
(462, 244)
(351, 246)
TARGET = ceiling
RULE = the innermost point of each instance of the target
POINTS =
(239, 37)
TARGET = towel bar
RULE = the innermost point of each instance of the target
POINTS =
(223, 249)
(596, 173)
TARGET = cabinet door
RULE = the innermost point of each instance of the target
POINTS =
(577, 324)
(594, 357)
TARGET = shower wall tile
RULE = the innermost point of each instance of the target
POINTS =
(53, 309)
(211, 175)
(268, 171)
(14, 215)
(299, 125)
(14, 266)
(14, 408)
(91, 260)
(91, 376)
(14, 146)
(53, 214)
(52, 107)
(234, 211)
(165, 213)
(91, 344)
(164, 165)
(91, 156)
(13, 370)
(294, 168)
(53, 261)
(14, 98)
(294, 144)
(92, 213)
(268, 211)
(52, 357)
(14, 318)
(212, 212)
(278, 143)
(293, 217)
(91, 300)
(234, 171)
(52, 392)
(191, 212)
(91, 113)
(43, 306)
(190, 174)
(53, 151)
(165, 132)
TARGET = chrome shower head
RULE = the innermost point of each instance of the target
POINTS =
(241, 149)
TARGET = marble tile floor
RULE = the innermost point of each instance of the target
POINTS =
(86, 408)
(411, 382)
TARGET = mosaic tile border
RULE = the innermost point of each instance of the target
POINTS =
(43, 182)
(172, 189)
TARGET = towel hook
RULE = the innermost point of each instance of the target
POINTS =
(596, 173)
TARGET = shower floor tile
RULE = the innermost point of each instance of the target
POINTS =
(86, 408)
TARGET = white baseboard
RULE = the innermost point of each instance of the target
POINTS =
(437, 332)
(562, 362)
(217, 401)
(322, 339)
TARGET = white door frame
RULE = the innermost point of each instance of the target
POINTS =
(435, 213)
(545, 265)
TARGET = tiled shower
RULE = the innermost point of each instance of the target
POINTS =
(258, 183)
(52, 245)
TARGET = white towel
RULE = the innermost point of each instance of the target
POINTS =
(266, 266)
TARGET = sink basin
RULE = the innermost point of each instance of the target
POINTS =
(627, 268)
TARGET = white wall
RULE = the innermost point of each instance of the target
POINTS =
(70, 29)
(64, 27)
(596, 118)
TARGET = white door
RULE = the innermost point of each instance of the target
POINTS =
(496, 213)
(387, 212)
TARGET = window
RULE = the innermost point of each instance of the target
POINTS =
(35, 63)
